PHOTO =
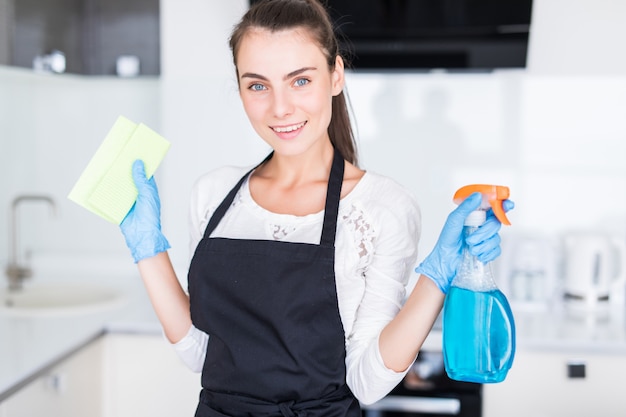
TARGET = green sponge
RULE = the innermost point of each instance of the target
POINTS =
(106, 186)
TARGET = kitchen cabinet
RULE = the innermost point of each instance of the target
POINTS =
(91, 34)
(551, 383)
(72, 388)
(143, 376)
(118, 375)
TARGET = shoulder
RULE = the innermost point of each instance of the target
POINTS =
(385, 204)
(222, 177)
(211, 188)
(384, 193)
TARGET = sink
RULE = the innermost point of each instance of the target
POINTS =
(59, 299)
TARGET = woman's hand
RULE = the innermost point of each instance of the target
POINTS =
(441, 264)
(142, 225)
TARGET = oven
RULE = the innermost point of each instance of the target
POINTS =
(426, 391)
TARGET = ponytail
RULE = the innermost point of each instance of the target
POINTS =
(340, 129)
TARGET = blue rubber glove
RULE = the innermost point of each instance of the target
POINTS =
(142, 225)
(441, 264)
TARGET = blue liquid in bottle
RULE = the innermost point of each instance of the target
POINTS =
(478, 325)
(478, 335)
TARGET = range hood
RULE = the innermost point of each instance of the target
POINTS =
(433, 34)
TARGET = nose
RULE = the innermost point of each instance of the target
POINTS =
(282, 104)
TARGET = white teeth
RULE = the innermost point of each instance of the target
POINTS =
(288, 128)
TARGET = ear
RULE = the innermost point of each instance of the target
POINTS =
(338, 76)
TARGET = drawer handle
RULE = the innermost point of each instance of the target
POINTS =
(446, 406)
(576, 369)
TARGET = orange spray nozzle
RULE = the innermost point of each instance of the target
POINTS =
(493, 196)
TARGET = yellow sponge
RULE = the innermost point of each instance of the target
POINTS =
(106, 186)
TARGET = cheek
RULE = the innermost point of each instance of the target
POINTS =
(325, 108)
(254, 108)
(318, 102)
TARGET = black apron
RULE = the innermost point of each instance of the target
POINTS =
(276, 344)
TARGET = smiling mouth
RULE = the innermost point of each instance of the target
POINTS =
(287, 129)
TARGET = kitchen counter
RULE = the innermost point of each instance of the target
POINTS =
(560, 327)
(565, 328)
(29, 346)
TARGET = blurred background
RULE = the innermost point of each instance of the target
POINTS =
(525, 93)
(546, 118)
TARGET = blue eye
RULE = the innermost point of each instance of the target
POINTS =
(301, 82)
(257, 87)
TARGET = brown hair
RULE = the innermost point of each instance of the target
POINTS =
(276, 15)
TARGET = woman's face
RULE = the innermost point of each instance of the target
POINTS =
(287, 88)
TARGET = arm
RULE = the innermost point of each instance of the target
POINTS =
(402, 338)
(386, 260)
(389, 330)
(142, 231)
(170, 302)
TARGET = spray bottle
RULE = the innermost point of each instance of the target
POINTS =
(478, 326)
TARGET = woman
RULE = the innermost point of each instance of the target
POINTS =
(297, 286)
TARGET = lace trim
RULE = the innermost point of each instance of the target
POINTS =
(211, 210)
(280, 232)
(355, 221)
(237, 200)
(364, 234)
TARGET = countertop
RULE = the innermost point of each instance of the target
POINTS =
(31, 345)
(568, 326)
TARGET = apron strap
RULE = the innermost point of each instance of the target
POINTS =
(333, 195)
(223, 207)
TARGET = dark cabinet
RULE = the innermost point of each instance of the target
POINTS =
(92, 34)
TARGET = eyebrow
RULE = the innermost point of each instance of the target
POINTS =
(286, 77)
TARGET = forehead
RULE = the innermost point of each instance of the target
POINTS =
(263, 51)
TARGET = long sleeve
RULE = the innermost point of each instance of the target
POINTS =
(388, 257)
(191, 349)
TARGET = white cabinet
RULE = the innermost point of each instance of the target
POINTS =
(70, 389)
(143, 376)
(558, 384)
(118, 375)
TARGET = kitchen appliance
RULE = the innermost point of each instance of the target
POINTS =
(594, 270)
(528, 270)
(426, 391)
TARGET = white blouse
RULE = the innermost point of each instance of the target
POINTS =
(376, 250)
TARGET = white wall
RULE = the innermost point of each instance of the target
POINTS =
(578, 37)
(51, 127)
(545, 132)
(556, 139)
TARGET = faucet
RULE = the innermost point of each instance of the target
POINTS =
(16, 271)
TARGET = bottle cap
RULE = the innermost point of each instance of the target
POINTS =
(493, 196)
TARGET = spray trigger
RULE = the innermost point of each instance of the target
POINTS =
(493, 196)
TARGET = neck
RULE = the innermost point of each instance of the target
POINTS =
(312, 165)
